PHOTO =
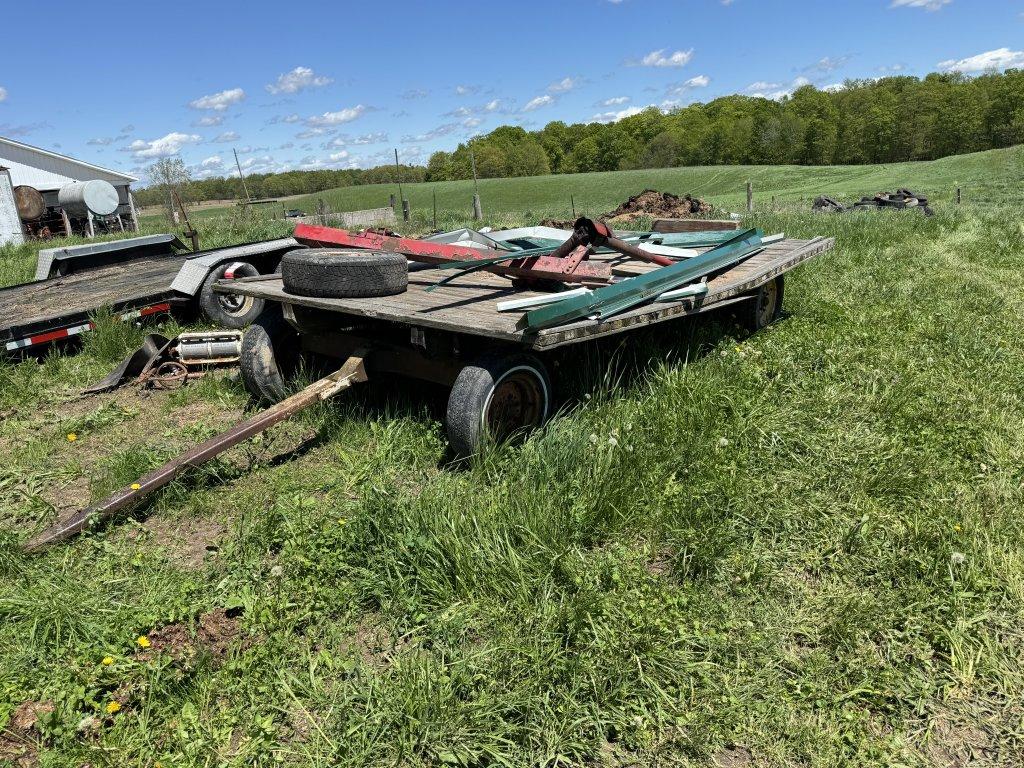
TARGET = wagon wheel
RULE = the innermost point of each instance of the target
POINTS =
(498, 396)
(229, 310)
(766, 306)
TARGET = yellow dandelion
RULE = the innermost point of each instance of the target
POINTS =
(113, 707)
(107, 661)
(72, 437)
(956, 527)
(143, 641)
(135, 486)
(342, 521)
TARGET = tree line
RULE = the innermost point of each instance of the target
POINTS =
(892, 119)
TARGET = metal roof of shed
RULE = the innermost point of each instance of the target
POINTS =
(45, 170)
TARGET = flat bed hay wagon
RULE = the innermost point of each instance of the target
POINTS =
(449, 332)
(455, 335)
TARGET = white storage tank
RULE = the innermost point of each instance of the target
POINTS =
(10, 221)
(80, 198)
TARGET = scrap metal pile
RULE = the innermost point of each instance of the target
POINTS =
(535, 259)
(899, 200)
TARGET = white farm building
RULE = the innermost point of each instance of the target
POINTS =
(48, 172)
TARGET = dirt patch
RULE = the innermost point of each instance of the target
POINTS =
(660, 565)
(651, 204)
(955, 743)
(68, 497)
(733, 757)
(19, 742)
(187, 543)
(373, 643)
(214, 634)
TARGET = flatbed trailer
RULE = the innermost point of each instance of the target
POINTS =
(455, 335)
(133, 278)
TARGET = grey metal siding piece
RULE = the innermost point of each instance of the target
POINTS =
(49, 258)
(190, 279)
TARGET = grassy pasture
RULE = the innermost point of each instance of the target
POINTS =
(985, 177)
(803, 547)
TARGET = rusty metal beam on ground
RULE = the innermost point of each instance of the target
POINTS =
(352, 372)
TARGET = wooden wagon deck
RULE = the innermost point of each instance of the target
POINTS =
(468, 305)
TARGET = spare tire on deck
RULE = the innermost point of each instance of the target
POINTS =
(335, 273)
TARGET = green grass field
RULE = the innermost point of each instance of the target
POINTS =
(803, 547)
(985, 177)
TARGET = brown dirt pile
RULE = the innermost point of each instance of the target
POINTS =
(651, 204)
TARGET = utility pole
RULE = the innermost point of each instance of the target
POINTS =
(241, 175)
(478, 211)
(401, 195)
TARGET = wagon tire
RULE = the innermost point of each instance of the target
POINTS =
(229, 310)
(270, 357)
(766, 306)
(335, 273)
(496, 397)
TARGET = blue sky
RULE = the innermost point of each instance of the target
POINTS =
(337, 84)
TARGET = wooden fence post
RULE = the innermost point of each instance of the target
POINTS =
(750, 197)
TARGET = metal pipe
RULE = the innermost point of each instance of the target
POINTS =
(350, 373)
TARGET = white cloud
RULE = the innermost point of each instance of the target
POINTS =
(700, 81)
(459, 112)
(1001, 58)
(218, 101)
(209, 121)
(434, 133)
(346, 115)
(660, 59)
(775, 91)
(471, 122)
(614, 101)
(337, 157)
(614, 117)
(538, 102)
(928, 5)
(465, 90)
(226, 137)
(564, 85)
(299, 79)
(100, 142)
(492, 105)
(3, 94)
(166, 146)
(213, 161)
(828, 64)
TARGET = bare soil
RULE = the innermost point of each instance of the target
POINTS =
(651, 204)
(215, 632)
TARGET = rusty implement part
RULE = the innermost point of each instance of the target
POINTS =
(599, 235)
(352, 372)
(543, 266)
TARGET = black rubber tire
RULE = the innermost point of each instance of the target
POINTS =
(229, 311)
(766, 306)
(342, 274)
(270, 357)
(471, 399)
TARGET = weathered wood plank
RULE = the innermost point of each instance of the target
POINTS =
(467, 305)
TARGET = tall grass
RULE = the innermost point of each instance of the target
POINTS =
(798, 547)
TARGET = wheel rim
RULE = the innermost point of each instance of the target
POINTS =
(769, 301)
(234, 304)
(518, 401)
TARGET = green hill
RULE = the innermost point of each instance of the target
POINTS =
(986, 177)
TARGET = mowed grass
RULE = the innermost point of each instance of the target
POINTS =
(984, 177)
(802, 547)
